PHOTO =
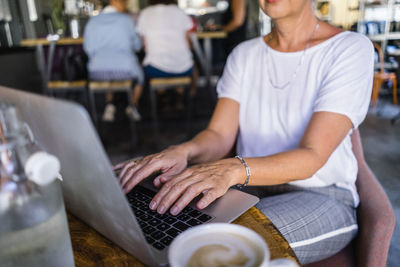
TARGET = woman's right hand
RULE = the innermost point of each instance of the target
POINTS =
(169, 162)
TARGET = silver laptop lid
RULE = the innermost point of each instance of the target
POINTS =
(91, 190)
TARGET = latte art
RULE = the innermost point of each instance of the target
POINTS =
(217, 255)
(223, 250)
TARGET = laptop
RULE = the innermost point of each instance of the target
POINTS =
(91, 189)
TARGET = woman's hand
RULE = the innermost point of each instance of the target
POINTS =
(213, 27)
(211, 179)
(169, 162)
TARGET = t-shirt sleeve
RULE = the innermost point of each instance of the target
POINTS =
(346, 87)
(230, 83)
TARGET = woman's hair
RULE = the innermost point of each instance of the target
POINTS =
(165, 2)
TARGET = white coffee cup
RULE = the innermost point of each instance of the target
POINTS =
(229, 243)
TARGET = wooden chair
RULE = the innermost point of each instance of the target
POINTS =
(380, 77)
(376, 221)
(156, 84)
(57, 87)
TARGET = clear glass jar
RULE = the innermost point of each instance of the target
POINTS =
(33, 224)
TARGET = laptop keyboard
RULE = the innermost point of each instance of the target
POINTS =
(161, 229)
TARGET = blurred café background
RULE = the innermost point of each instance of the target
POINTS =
(41, 51)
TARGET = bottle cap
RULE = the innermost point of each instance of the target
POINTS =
(42, 168)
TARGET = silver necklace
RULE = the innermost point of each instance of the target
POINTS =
(294, 75)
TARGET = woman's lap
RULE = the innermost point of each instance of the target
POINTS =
(317, 222)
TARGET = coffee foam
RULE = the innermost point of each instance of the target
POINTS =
(222, 249)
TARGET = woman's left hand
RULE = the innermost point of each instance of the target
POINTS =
(212, 179)
(213, 27)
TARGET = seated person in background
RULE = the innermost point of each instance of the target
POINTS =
(290, 101)
(164, 29)
(110, 40)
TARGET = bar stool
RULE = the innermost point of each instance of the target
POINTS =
(54, 87)
(158, 84)
(110, 87)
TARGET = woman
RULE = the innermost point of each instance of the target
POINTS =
(110, 40)
(291, 100)
(234, 21)
(164, 27)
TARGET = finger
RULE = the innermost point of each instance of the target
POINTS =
(170, 187)
(126, 167)
(172, 195)
(135, 175)
(165, 177)
(157, 181)
(161, 179)
(129, 172)
(118, 166)
(191, 192)
(173, 171)
(208, 197)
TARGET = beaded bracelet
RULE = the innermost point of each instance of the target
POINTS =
(240, 186)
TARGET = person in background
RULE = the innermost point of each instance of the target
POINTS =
(164, 29)
(110, 41)
(290, 101)
(234, 21)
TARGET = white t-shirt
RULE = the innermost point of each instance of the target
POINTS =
(336, 76)
(164, 29)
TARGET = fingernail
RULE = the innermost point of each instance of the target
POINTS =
(152, 205)
(174, 210)
(161, 210)
(201, 204)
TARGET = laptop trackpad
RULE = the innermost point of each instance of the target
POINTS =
(225, 209)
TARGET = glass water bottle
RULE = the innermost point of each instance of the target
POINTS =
(33, 224)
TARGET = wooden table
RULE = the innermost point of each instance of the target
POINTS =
(78, 41)
(44, 41)
(92, 249)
